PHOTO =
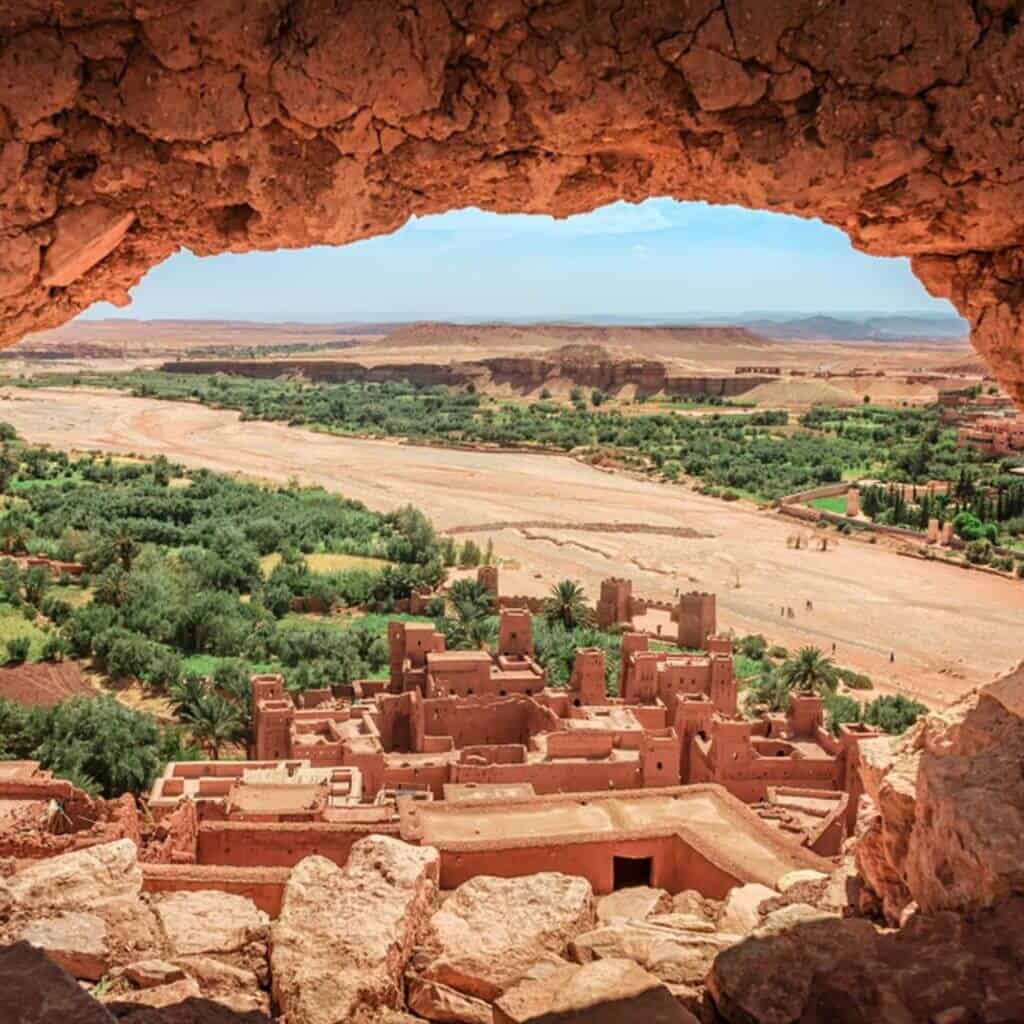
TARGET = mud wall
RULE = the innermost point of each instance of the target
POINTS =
(283, 844)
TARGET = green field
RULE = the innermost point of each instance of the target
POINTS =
(836, 504)
(14, 624)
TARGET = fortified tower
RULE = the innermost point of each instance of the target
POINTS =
(487, 577)
(615, 606)
(515, 633)
(272, 717)
(697, 620)
(587, 681)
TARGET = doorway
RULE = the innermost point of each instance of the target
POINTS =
(631, 871)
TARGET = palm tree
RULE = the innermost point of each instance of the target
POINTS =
(567, 604)
(470, 599)
(210, 719)
(125, 548)
(112, 587)
(809, 671)
(768, 692)
(14, 532)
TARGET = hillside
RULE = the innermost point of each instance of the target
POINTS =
(655, 342)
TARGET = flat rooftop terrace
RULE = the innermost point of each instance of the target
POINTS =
(706, 817)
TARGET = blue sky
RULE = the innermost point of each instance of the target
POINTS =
(658, 258)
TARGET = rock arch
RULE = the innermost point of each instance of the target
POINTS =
(129, 128)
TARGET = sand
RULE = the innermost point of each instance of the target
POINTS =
(949, 629)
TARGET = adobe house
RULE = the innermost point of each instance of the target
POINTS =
(645, 675)
(473, 722)
(676, 838)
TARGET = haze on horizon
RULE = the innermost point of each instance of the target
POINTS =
(658, 258)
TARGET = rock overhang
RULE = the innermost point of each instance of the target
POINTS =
(128, 131)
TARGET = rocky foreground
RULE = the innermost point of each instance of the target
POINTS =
(922, 922)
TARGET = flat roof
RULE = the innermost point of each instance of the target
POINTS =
(434, 656)
(707, 817)
(474, 792)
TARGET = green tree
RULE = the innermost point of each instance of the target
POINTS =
(893, 713)
(8, 467)
(809, 671)
(35, 582)
(470, 555)
(767, 692)
(102, 745)
(212, 720)
(17, 649)
(840, 709)
(471, 599)
(567, 604)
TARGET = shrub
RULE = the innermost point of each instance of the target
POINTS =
(979, 552)
(752, 646)
(54, 647)
(855, 680)
(56, 609)
(17, 649)
(470, 555)
(893, 714)
(840, 709)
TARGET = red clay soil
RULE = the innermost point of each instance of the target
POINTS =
(43, 683)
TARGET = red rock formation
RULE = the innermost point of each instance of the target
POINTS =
(129, 130)
(949, 829)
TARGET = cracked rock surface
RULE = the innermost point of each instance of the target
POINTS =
(129, 129)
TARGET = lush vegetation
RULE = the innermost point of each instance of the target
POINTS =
(760, 454)
(97, 743)
(175, 595)
(811, 671)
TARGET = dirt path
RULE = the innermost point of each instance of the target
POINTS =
(949, 629)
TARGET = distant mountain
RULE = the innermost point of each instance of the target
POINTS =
(933, 327)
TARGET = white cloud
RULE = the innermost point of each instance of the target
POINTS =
(617, 219)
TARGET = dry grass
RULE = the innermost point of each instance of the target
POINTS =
(324, 562)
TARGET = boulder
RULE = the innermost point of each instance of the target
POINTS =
(148, 973)
(673, 955)
(689, 901)
(948, 831)
(75, 941)
(807, 966)
(170, 993)
(341, 944)
(215, 924)
(740, 913)
(159, 983)
(89, 943)
(434, 1001)
(636, 903)
(602, 992)
(234, 987)
(34, 990)
(76, 881)
(490, 931)
(683, 922)
(804, 876)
